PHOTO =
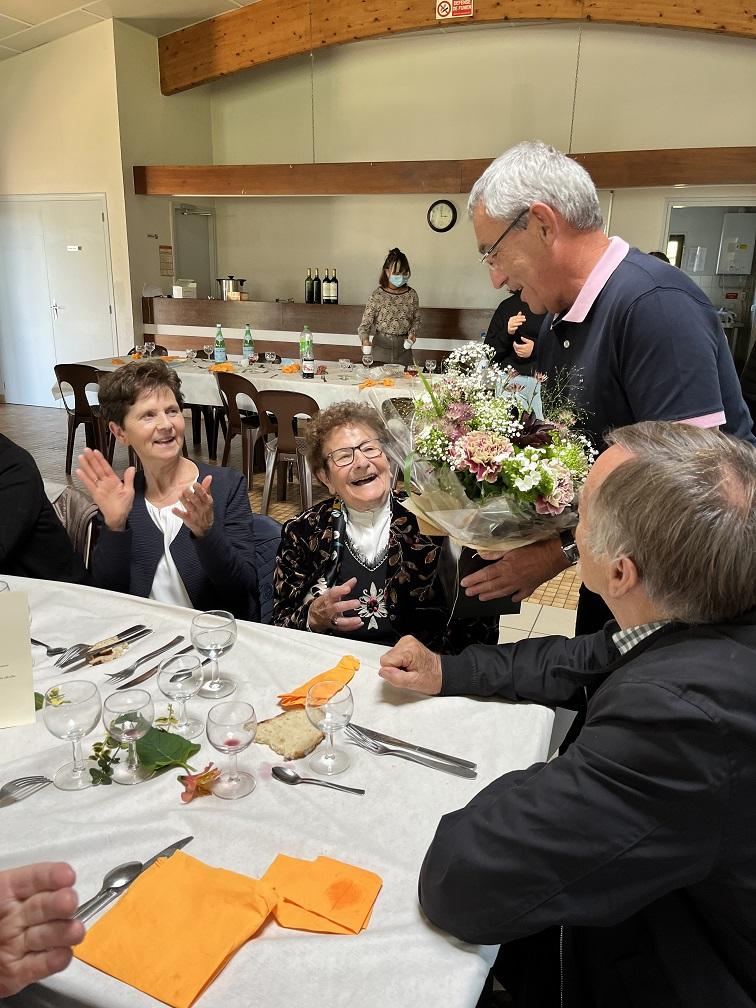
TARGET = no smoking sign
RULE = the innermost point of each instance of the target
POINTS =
(448, 9)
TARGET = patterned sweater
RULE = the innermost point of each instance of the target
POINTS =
(391, 314)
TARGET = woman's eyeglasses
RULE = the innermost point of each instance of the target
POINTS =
(345, 456)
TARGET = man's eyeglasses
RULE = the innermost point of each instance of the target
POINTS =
(486, 257)
(345, 456)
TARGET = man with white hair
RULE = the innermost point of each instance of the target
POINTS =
(623, 872)
(638, 339)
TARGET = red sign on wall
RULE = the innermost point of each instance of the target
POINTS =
(447, 9)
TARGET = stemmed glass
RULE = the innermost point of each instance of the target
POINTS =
(127, 717)
(190, 356)
(70, 711)
(367, 357)
(4, 586)
(270, 356)
(213, 634)
(430, 366)
(180, 678)
(138, 351)
(231, 727)
(209, 350)
(329, 706)
(345, 365)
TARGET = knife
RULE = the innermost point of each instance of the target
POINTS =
(106, 644)
(97, 903)
(390, 740)
(98, 652)
(151, 672)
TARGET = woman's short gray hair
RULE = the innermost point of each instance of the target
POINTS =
(683, 508)
(534, 172)
(341, 414)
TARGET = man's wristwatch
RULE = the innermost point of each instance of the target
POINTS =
(569, 547)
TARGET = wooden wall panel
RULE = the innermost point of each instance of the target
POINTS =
(609, 170)
(275, 29)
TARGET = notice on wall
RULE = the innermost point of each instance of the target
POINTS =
(166, 260)
(448, 9)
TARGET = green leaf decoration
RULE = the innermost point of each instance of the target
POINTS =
(160, 749)
(39, 701)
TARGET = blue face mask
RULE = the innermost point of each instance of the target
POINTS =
(397, 279)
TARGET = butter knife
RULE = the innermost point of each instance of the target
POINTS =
(99, 902)
(107, 644)
(390, 740)
(98, 652)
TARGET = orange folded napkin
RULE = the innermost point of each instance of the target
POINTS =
(370, 383)
(323, 895)
(223, 366)
(290, 368)
(118, 361)
(341, 673)
(149, 939)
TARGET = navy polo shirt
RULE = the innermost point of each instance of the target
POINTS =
(650, 348)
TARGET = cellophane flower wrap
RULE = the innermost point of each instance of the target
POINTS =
(484, 468)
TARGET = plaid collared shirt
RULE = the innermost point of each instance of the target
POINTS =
(626, 639)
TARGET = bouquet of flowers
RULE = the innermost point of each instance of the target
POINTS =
(484, 467)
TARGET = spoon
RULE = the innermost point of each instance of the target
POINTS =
(289, 776)
(116, 879)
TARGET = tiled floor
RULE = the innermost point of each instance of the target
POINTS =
(42, 432)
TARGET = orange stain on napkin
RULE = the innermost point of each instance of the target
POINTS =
(324, 895)
(342, 673)
(144, 940)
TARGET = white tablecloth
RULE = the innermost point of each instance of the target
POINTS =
(400, 959)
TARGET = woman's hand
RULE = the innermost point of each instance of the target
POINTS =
(412, 339)
(197, 502)
(113, 497)
(523, 347)
(514, 323)
(327, 610)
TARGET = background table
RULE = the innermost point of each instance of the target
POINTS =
(400, 959)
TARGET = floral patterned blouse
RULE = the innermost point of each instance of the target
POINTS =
(309, 562)
(390, 314)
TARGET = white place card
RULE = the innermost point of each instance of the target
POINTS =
(16, 677)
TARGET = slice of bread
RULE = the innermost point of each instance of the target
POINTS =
(289, 734)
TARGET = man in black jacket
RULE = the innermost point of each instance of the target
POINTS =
(33, 543)
(628, 862)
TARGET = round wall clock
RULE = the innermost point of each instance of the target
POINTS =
(442, 215)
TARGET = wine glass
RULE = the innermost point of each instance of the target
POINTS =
(367, 357)
(180, 678)
(209, 350)
(430, 366)
(329, 706)
(4, 586)
(231, 727)
(127, 717)
(138, 351)
(345, 365)
(70, 711)
(213, 634)
(190, 356)
(270, 356)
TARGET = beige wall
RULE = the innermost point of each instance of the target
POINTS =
(59, 133)
(466, 93)
(157, 130)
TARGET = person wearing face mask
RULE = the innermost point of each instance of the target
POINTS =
(356, 565)
(392, 314)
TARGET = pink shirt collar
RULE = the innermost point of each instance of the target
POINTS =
(597, 278)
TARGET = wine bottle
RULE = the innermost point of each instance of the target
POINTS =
(334, 287)
(248, 346)
(316, 289)
(327, 287)
(309, 293)
(219, 349)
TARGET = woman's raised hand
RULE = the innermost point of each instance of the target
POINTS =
(114, 497)
(328, 611)
(197, 502)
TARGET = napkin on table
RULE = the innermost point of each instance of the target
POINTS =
(370, 383)
(342, 673)
(149, 939)
(323, 895)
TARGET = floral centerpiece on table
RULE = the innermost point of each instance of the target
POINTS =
(485, 468)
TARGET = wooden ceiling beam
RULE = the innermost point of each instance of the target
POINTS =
(271, 30)
(609, 170)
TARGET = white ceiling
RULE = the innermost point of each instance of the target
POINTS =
(25, 24)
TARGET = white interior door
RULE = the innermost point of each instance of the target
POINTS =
(78, 278)
(27, 348)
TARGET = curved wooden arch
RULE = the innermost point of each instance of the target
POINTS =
(271, 30)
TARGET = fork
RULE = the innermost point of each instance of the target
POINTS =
(125, 673)
(72, 652)
(379, 749)
(51, 651)
(23, 787)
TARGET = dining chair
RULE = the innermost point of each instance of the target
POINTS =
(79, 377)
(77, 515)
(283, 442)
(239, 421)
